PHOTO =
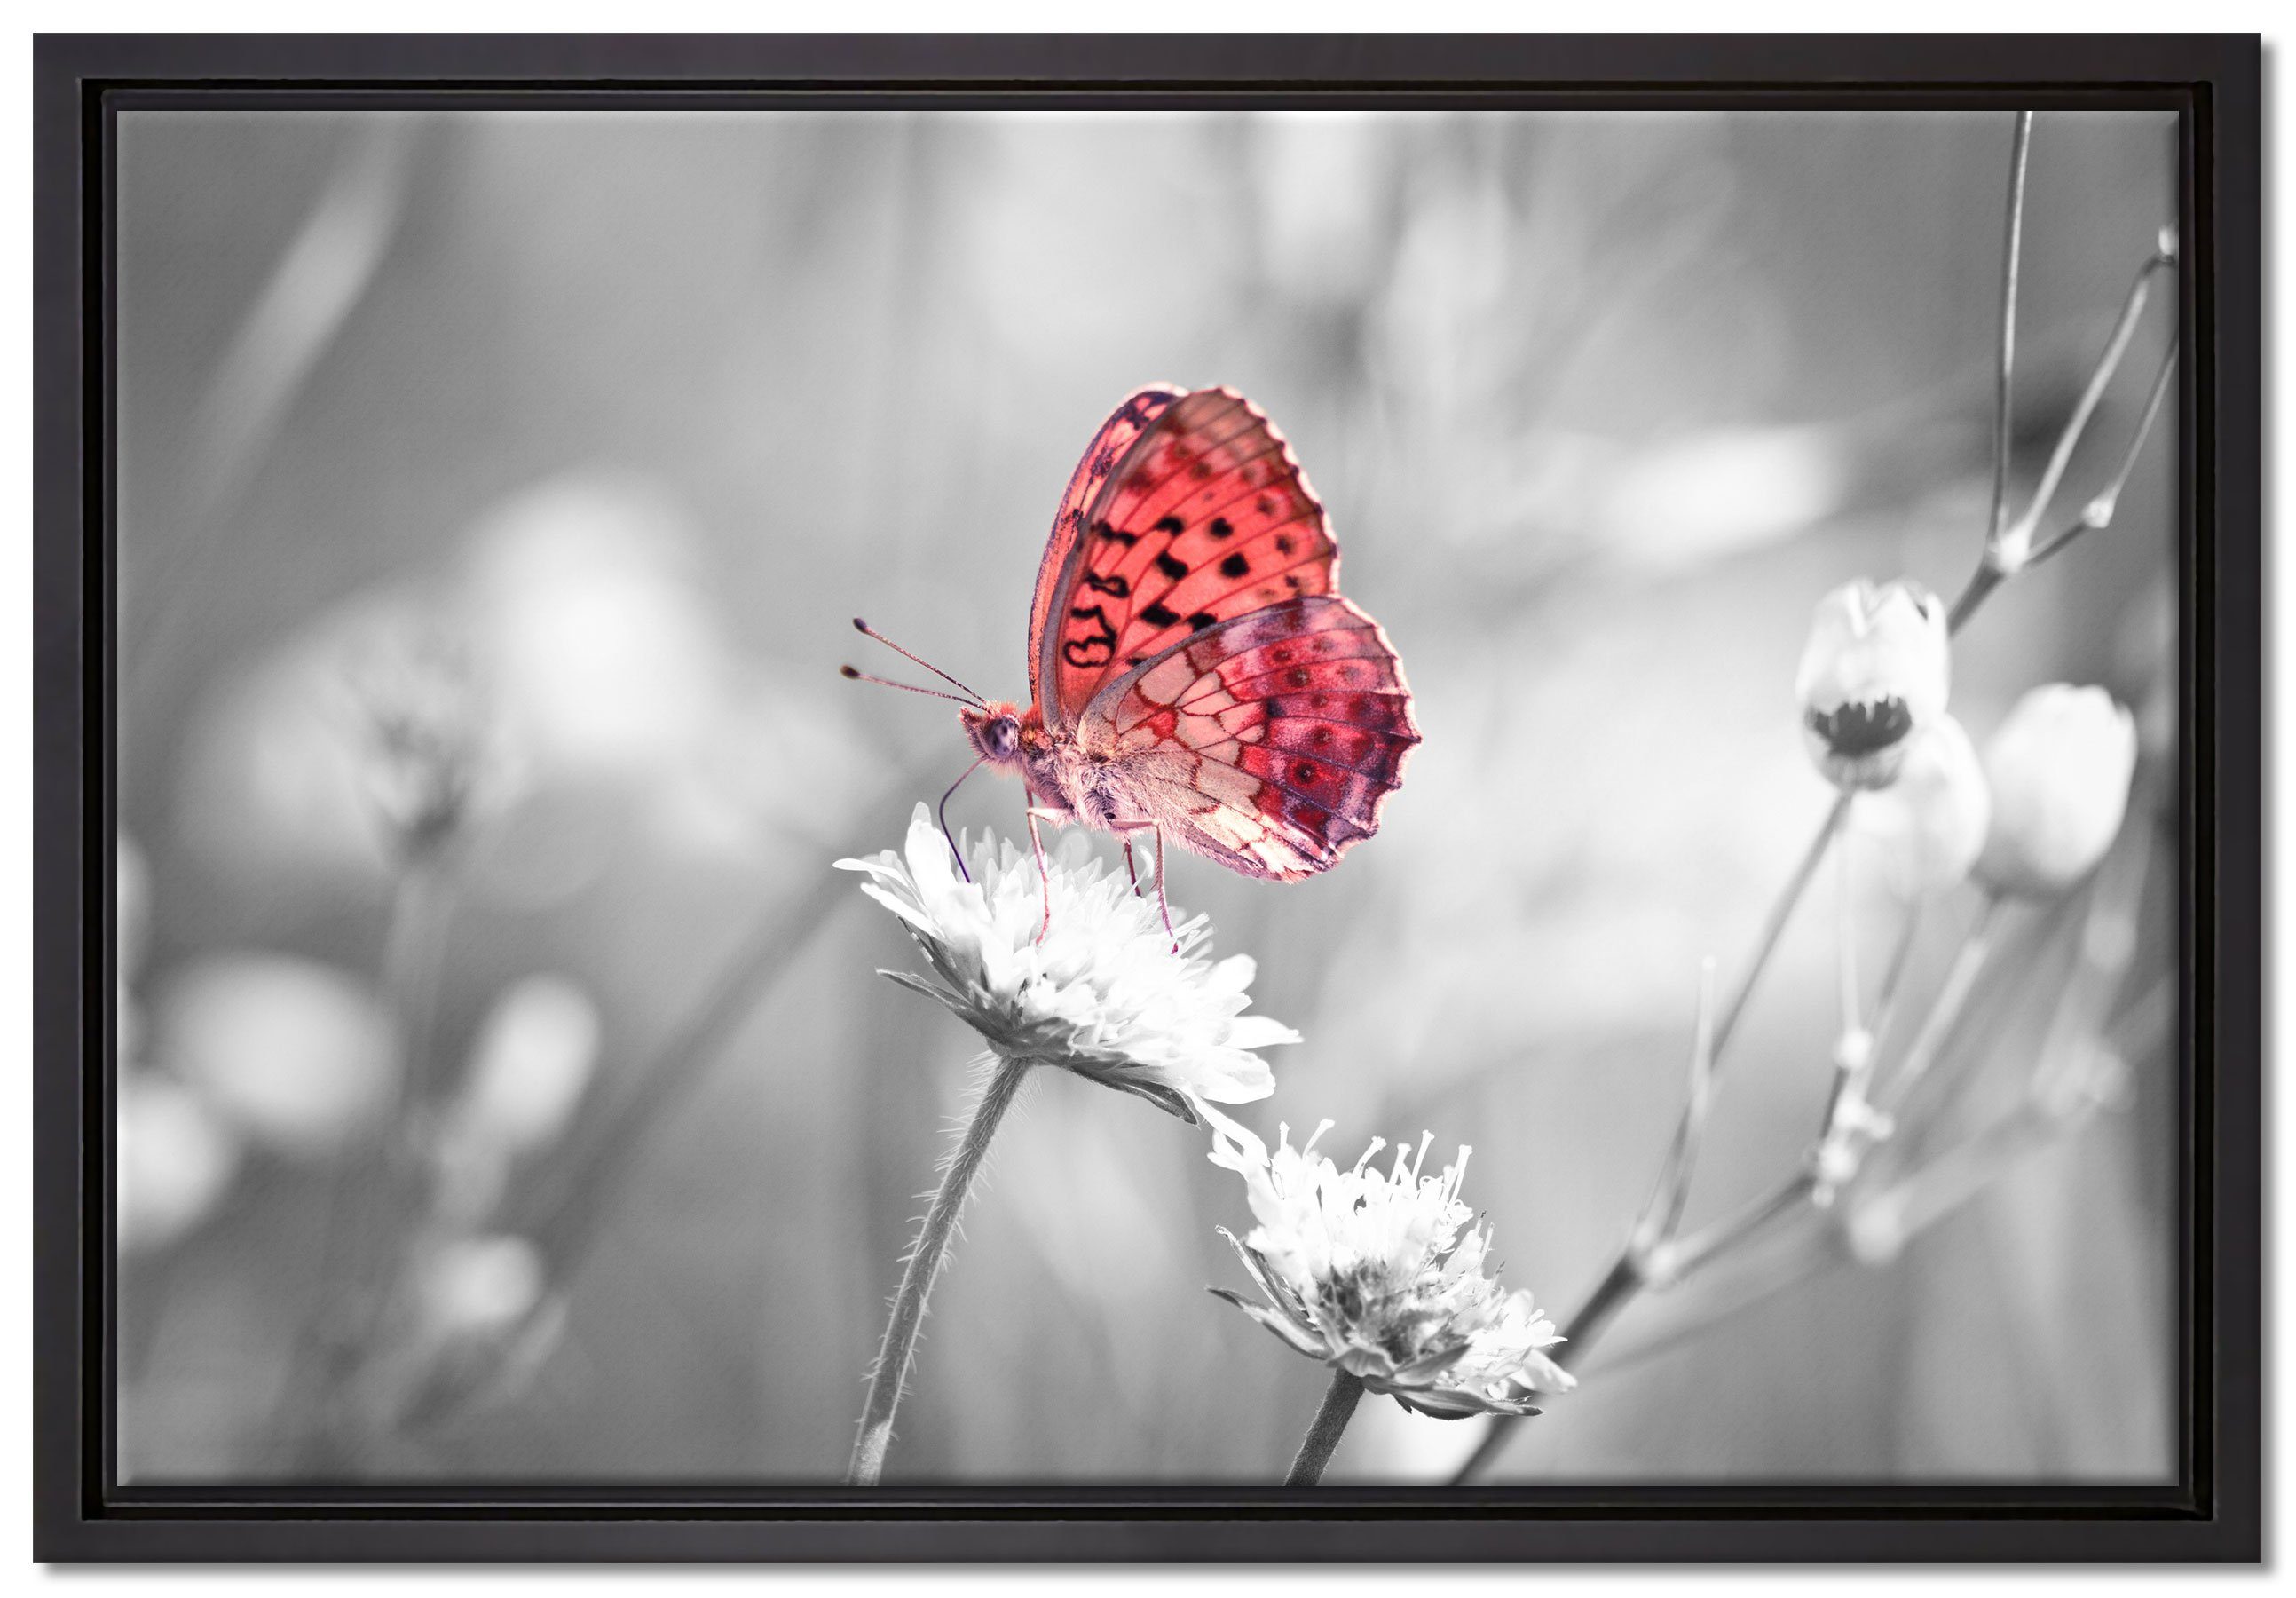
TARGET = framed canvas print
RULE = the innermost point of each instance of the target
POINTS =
(723, 872)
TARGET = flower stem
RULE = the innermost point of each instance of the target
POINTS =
(924, 1266)
(2097, 516)
(1945, 1010)
(368, 1206)
(1988, 573)
(1623, 1280)
(1323, 1435)
(2013, 230)
(2017, 539)
(1775, 928)
(1627, 1275)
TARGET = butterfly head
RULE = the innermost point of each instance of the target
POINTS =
(995, 729)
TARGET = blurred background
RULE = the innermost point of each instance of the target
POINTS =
(518, 474)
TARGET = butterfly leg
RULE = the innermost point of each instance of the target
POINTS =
(1162, 903)
(1130, 870)
(1043, 873)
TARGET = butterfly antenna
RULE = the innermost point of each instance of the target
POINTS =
(942, 811)
(851, 675)
(861, 627)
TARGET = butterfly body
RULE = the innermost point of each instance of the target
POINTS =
(1195, 671)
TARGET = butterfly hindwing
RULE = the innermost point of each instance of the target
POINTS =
(1205, 518)
(1268, 741)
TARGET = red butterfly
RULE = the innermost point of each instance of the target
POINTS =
(1193, 669)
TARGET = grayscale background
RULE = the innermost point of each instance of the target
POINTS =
(625, 414)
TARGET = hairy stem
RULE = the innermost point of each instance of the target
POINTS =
(924, 1262)
(1339, 1406)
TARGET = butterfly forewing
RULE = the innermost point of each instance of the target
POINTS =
(1205, 517)
(1108, 447)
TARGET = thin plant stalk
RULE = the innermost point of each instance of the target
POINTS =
(1952, 998)
(2017, 541)
(1845, 934)
(1774, 927)
(2006, 350)
(1733, 1231)
(924, 1266)
(2097, 514)
(1332, 1417)
(1854, 1075)
(1989, 575)
(1628, 1274)
(357, 1233)
(1663, 1217)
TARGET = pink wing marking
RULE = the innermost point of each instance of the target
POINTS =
(1269, 742)
(1206, 518)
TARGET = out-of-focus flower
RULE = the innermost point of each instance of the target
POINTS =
(1382, 1276)
(175, 1160)
(131, 881)
(370, 734)
(590, 628)
(532, 1061)
(1876, 668)
(1322, 179)
(430, 733)
(486, 1320)
(1931, 822)
(1103, 994)
(2060, 768)
(295, 1054)
(534, 1057)
(1683, 502)
(479, 1287)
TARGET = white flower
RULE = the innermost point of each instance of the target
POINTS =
(175, 1158)
(1103, 993)
(1931, 822)
(1877, 667)
(2060, 767)
(1381, 1274)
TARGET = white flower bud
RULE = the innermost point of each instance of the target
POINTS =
(1876, 669)
(2060, 768)
(1932, 822)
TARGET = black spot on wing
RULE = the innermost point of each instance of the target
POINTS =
(1170, 565)
(1090, 646)
(1160, 615)
(1235, 566)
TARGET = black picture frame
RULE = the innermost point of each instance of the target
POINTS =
(2213, 1513)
